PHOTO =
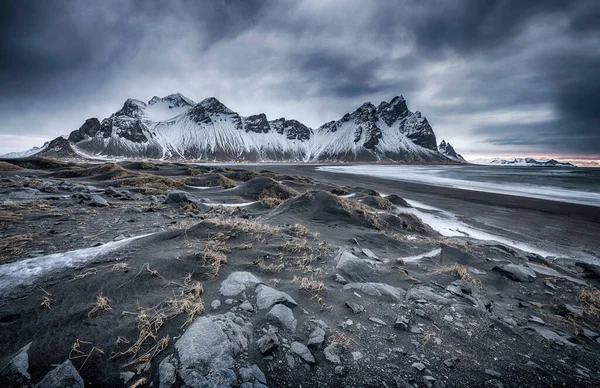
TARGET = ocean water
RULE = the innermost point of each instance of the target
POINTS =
(573, 185)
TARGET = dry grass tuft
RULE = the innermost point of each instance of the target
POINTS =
(215, 252)
(271, 268)
(13, 245)
(187, 207)
(383, 203)
(461, 272)
(76, 351)
(225, 183)
(243, 225)
(139, 382)
(84, 273)
(5, 166)
(121, 267)
(46, 302)
(361, 210)
(590, 301)
(147, 357)
(270, 202)
(102, 303)
(309, 284)
(340, 339)
(300, 230)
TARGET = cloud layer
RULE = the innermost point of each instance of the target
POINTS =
(493, 77)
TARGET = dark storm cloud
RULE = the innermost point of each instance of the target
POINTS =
(514, 75)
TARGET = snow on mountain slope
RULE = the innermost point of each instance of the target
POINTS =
(24, 154)
(176, 127)
(448, 150)
(522, 162)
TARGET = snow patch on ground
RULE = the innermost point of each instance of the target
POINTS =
(27, 272)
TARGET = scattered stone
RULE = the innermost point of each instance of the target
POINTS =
(237, 282)
(316, 338)
(369, 253)
(340, 279)
(568, 309)
(536, 319)
(450, 363)
(517, 273)
(357, 355)
(377, 289)
(402, 322)
(550, 335)
(401, 383)
(448, 318)
(267, 297)
(229, 301)
(303, 352)
(177, 196)
(418, 366)
(590, 333)
(15, 372)
(215, 304)
(283, 316)
(494, 383)
(333, 353)
(492, 373)
(355, 269)
(252, 373)
(97, 201)
(167, 372)
(426, 293)
(355, 307)
(247, 306)
(64, 375)
(268, 342)
(428, 381)
(416, 330)
(510, 321)
(377, 321)
(340, 370)
(550, 285)
(421, 313)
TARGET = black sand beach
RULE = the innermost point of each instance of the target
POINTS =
(313, 280)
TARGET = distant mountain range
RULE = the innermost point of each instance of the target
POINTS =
(528, 162)
(175, 127)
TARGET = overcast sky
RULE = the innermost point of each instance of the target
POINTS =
(494, 78)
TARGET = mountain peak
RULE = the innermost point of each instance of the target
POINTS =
(447, 149)
(213, 105)
(174, 100)
(391, 112)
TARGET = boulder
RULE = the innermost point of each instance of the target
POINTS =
(517, 273)
(355, 269)
(269, 341)
(377, 289)
(97, 201)
(267, 297)
(303, 352)
(237, 282)
(316, 338)
(63, 376)
(426, 293)
(282, 316)
(15, 372)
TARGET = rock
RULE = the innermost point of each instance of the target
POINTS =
(550, 335)
(416, 330)
(237, 330)
(450, 362)
(267, 297)
(15, 372)
(448, 318)
(357, 355)
(97, 201)
(355, 307)
(355, 269)
(127, 376)
(570, 310)
(247, 307)
(340, 370)
(536, 319)
(205, 353)
(166, 372)
(401, 383)
(402, 322)
(333, 353)
(418, 366)
(377, 321)
(517, 273)
(590, 333)
(340, 279)
(426, 293)
(429, 381)
(550, 285)
(282, 316)
(178, 196)
(492, 373)
(377, 289)
(494, 383)
(215, 304)
(316, 338)
(63, 376)
(369, 253)
(252, 373)
(303, 352)
(237, 282)
(510, 321)
(269, 341)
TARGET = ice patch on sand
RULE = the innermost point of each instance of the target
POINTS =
(447, 224)
(243, 204)
(26, 272)
(432, 253)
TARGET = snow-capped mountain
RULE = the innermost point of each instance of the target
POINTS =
(175, 127)
(24, 154)
(448, 150)
(524, 162)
